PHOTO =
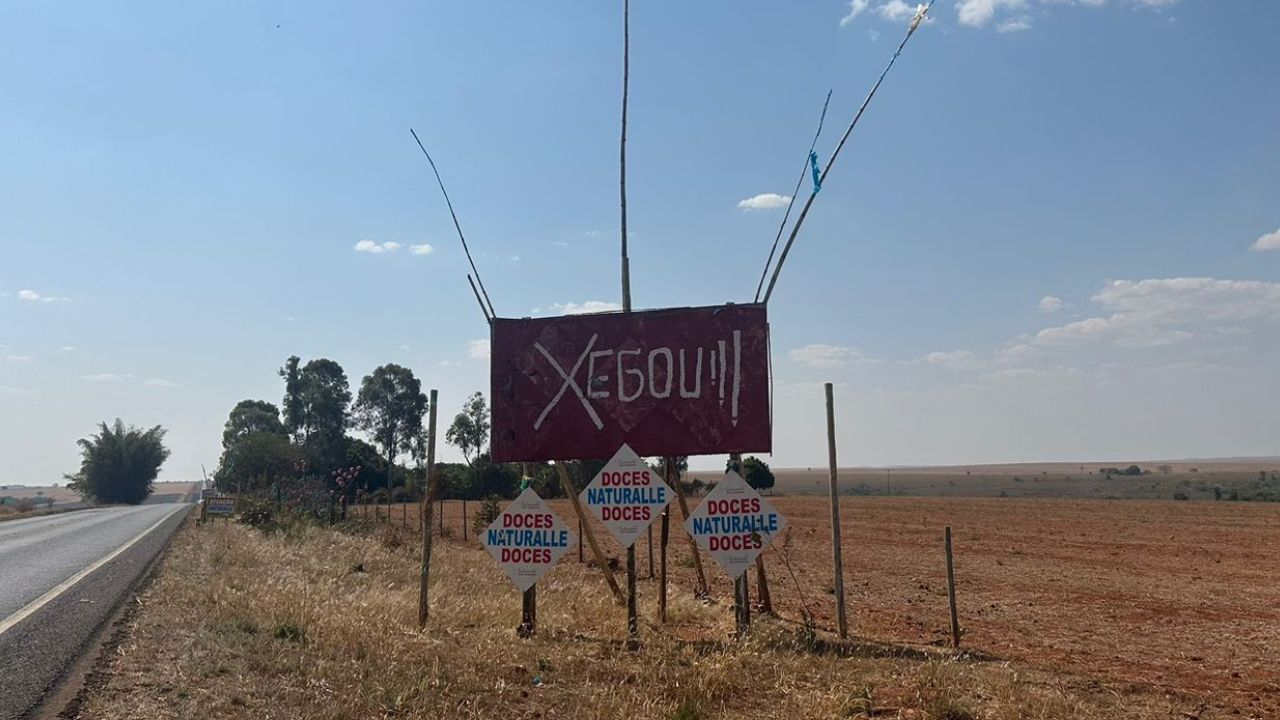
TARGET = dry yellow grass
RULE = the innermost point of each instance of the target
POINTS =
(319, 623)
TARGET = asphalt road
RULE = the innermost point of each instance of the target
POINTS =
(48, 616)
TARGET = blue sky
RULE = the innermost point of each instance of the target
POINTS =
(1053, 236)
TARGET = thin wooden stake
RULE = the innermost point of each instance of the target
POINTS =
(433, 489)
(741, 595)
(581, 559)
(662, 565)
(464, 518)
(651, 575)
(633, 622)
(951, 591)
(528, 613)
(762, 587)
(699, 590)
(837, 559)
(596, 552)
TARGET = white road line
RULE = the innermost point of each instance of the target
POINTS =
(67, 584)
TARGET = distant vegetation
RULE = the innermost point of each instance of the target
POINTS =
(302, 450)
(119, 464)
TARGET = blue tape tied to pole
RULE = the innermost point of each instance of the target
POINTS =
(817, 176)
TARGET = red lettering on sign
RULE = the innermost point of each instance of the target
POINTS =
(526, 555)
(734, 542)
(735, 506)
(609, 514)
(536, 521)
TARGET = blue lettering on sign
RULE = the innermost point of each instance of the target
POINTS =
(729, 524)
(505, 537)
(627, 496)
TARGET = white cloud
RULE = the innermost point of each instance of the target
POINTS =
(873, 35)
(827, 357)
(370, 246)
(68, 348)
(18, 358)
(977, 13)
(11, 391)
(895, 10)
(1012, 25)
(1164, 311)
(478, 349)
(160, 383)
(106, 377)
(1050, 304)
(290, 318)
(582, 308)
(856, 8)
(33, 296)
(423, 249)
(1035, 375)
(514, 258)
(560, 243)
(1270, 241)
(953, 360)
(764, 201)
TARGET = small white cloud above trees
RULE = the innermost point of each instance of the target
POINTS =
(478, 349)
(764, 201)
(377, 248)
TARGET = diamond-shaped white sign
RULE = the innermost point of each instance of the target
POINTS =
(734, 524)
(527, 539)
(626, 495)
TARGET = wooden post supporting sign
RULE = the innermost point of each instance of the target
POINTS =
(567, 487)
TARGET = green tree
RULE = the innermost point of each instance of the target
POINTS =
(323, 401)
(249, 417)
(470, 429)
(756, 472)
(293, 408)
(390, 407)
(470, 432)
(257, 460)
(119, 464)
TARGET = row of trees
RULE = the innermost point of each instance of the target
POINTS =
(307, 441)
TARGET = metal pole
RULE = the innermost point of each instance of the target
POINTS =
(842, 623)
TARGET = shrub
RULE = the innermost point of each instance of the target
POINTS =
(488, 512)
(288, 630)
(258, 515)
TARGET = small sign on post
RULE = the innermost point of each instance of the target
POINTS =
(527, 539)
(734, 524)
(220, 506)
(626, 496)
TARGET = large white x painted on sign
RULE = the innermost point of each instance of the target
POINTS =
(569, 383)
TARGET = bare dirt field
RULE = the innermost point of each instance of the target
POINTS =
(1162, 479)
(1177, 598)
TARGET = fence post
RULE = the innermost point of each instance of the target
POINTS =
(842, 623)
(432, 489)
(951, 591)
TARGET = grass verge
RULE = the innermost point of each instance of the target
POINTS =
(321, 623)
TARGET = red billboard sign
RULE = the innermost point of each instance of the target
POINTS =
(687, 381)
